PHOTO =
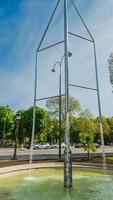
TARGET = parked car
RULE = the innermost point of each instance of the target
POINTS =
(35, 146)
(63, 145)
(41, 145)
(54, 146)
(97, 145)
(27, 146)
(78, 145)
(44, 145)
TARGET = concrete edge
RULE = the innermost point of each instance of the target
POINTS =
(16, 168)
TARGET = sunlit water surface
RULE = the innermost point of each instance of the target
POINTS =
(47, 184)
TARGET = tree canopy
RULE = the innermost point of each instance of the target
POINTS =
(53, 106)
(6, 119)
(47, 123)
(40, 126)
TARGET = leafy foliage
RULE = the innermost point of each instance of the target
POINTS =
(87, 140)
(47, 125)
(86, 114)
(6, 116)
(53, 106)
(40, 127)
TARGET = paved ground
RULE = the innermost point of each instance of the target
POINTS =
(23, 154)
(4, 151)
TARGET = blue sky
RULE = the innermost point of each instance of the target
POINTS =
(22, 23)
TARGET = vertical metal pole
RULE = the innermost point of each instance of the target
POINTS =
(16, 140)
(3, 132)
(67, 151)
(34, 111)
(99, 106)
(60, 132)
(35, 88)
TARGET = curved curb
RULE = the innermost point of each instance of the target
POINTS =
(16, 168)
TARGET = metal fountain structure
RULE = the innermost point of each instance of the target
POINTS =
(67, 151)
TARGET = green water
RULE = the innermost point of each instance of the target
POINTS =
(47, 184)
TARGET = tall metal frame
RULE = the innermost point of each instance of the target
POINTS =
(67, 151)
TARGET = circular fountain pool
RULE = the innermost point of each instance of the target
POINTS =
(47, 184)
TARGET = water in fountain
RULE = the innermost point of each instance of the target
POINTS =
(88, 184)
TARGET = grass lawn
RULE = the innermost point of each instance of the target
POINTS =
(109, 158)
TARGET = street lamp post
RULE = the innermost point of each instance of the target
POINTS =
(23, 133)
(60, 126)
(18, 116)
(60, 100)
(3, 132)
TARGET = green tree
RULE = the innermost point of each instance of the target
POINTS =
(40, 125)
(52, 130)
(74, 130)
(110, 123)
(53, 106)
(85, 114)
(106, 130)
(86, 125)
(6, 121)
(87, 139)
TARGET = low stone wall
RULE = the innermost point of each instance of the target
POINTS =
(10, 169)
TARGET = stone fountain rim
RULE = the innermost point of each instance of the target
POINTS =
(16, 168)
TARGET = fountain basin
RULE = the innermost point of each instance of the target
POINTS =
(45, 182)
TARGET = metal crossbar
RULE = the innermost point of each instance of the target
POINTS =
(81, 37)
(52, 45)
(51, 97)
(83, 87)
(50, 20)
(82, 20)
